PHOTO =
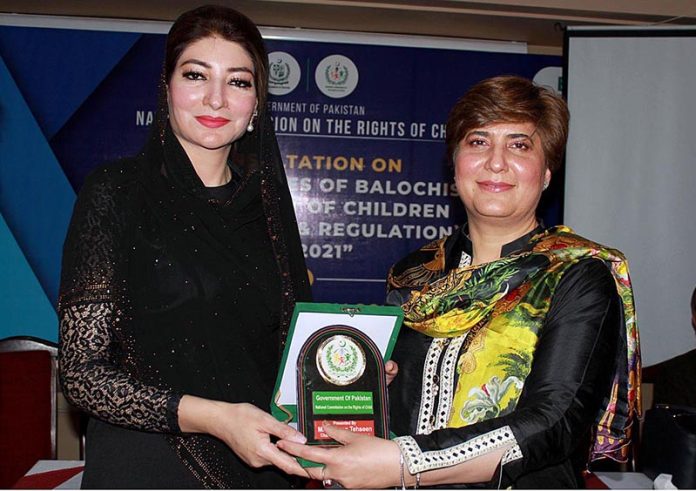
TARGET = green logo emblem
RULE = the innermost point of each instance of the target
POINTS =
(340, 360)
(336, 73)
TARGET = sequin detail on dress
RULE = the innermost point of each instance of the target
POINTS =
(92, 380)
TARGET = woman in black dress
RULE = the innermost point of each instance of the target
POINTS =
(180, 271)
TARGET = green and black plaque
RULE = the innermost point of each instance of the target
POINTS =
(341, 380)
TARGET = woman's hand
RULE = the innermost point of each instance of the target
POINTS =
(391, 369)
(370, 462)
(245, 428)
(362, 462)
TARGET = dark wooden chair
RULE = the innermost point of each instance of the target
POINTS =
(28, 384)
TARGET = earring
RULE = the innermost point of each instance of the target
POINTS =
(546, 185)
(250, 126)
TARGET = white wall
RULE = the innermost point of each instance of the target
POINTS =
(631, 168)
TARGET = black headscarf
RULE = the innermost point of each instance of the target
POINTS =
(183, 295)
(210, 233)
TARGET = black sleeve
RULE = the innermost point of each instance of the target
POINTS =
(571, 372)
(92, 307)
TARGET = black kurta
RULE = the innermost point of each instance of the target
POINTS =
(168, 291)
(572, 370)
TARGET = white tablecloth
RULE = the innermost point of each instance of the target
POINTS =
(625, 480)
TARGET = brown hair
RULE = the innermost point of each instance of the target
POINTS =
(511, 99)
(228, 24)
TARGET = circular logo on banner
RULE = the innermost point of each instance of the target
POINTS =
(336, 76)
(550, 77)
(283, 73)
(340, 360)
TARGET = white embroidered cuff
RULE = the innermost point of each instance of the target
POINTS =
(418, 461)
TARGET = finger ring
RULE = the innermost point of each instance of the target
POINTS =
(326, 482)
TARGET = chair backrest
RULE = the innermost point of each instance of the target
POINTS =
(28, 380)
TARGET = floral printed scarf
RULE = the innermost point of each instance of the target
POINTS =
(511, 297)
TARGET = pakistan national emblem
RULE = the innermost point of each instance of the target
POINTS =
(283, 73)
(279, 72)
(336, 73)
(340, 360)
(336, 76)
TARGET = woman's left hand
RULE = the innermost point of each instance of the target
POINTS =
(361, 462)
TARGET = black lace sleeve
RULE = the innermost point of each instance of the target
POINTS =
(94, 370)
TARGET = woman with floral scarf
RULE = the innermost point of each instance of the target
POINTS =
(519, 364)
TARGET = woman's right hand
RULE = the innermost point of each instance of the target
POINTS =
(245, 428)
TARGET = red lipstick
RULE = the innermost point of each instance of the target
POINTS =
(494, 187)
(212, 121)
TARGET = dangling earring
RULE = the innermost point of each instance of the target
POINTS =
(250, 126)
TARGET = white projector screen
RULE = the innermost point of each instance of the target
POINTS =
(631, 167)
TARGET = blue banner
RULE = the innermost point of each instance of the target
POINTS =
(360, 128)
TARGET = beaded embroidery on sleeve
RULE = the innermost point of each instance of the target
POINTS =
(95, 372)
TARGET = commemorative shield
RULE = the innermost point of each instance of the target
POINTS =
(341, 381)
